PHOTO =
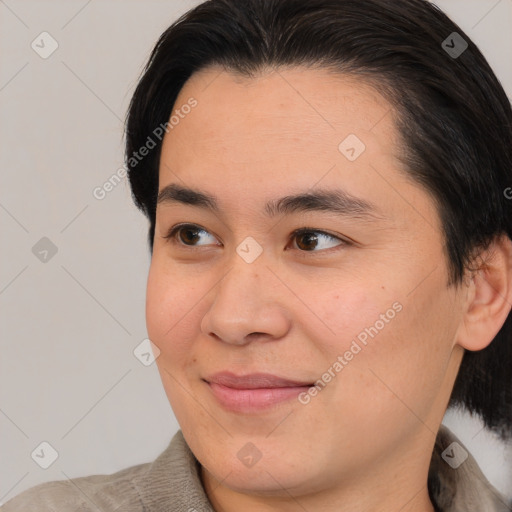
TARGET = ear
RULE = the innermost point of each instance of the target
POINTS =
(488, 298)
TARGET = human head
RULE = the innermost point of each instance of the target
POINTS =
(453, 116)
(449, 133)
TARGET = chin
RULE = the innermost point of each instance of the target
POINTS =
(266, 477)
(263, 483)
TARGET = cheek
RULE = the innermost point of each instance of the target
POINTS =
(402, 366)
(170, 302)
(344, 312)
(388, 340)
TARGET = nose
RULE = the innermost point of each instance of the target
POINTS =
(247, 304)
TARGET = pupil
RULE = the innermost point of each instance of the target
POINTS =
(191, 239)
(310, 238)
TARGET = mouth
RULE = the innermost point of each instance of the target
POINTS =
(254, 392)
(254, 381)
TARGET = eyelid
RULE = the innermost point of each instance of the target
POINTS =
(171, 233)
(345, 241)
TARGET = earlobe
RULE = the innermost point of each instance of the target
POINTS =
(489, 297)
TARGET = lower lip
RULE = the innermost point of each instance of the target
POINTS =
(253, 400)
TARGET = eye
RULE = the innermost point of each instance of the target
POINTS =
(307, 239)
(186, 234)
(310, 239)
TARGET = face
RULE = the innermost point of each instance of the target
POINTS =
(356, 301)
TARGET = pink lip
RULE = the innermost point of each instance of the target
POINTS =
(254, 392)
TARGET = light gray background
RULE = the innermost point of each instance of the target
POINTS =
(69, 326)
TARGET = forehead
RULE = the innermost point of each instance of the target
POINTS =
(278, 118)
(286, 105)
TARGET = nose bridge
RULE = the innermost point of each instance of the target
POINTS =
(245, 302)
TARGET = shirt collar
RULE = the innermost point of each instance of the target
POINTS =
(456, 482)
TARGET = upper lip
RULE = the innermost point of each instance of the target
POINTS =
(254, 381)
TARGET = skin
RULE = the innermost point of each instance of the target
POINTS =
(364, 442)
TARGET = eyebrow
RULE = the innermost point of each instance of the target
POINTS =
(336, 201)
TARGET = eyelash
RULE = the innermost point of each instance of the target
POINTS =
(173, 232)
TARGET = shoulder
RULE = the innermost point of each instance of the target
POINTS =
(170, 482)
(83, 494)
